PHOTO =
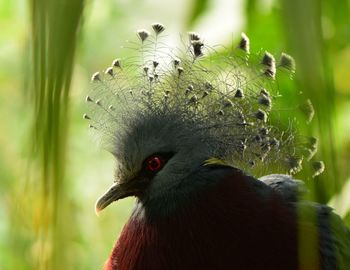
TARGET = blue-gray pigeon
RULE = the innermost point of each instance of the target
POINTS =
(188, 130)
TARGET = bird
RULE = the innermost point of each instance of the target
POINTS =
(193, 132)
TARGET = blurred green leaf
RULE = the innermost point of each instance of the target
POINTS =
(304, 34)
(347, 218)
(55, 27)
(199, 7)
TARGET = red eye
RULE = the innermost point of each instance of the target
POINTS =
(154, 163)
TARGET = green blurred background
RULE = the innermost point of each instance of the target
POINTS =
(52, 171)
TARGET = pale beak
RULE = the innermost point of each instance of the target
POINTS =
(114, 193)
(119, 191)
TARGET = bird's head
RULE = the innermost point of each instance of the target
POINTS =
(164, 117)
(154, 155)
(157, 153)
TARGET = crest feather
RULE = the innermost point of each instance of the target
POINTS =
(227, 97)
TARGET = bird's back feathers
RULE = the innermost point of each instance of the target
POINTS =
(333, 237)
(289, 188)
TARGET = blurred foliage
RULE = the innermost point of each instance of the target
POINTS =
(51, 176)
(199, 7)
(315, 76)
(54, 31)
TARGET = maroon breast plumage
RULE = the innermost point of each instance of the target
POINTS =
(230, 226)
